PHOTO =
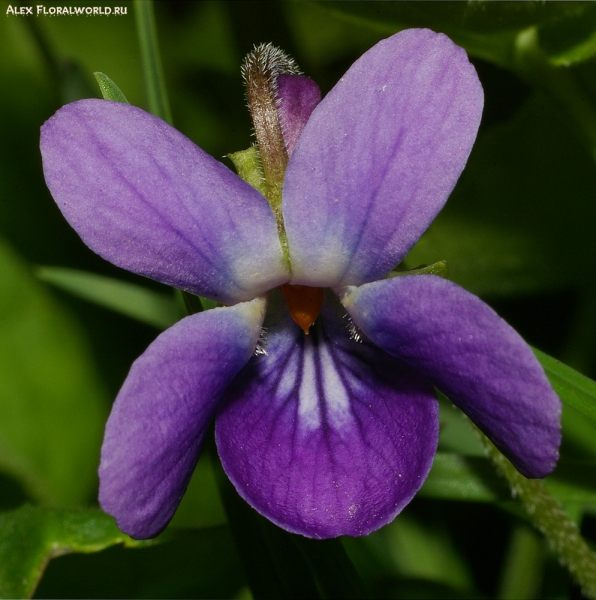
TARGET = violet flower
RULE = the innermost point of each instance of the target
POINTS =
(330, 433)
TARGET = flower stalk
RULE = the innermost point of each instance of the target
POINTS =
(260, 71)
(548, 516)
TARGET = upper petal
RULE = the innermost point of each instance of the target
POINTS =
(146, 198)
(324, 435)
(378, 158)
(159, 419)
(472, 355)
(297, 97)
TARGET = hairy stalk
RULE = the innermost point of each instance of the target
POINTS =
(260, 71)
(548, 516)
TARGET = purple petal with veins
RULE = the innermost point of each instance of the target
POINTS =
(156, 429)
(146, 198)
(324, 435)
(378, 159)
(473, 356)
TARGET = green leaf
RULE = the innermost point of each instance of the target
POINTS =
(142, 304)
(522, 571)
(52, 406)
(474, 479)
(413, 548)
(31, 536)
(201, 504)
(456, 434)
(570, 40)
(464, 478)
(574, 389)
(109, 90)
(199, 563)
(155, 86)
(518, 220)
(573, 482)
(487, 30)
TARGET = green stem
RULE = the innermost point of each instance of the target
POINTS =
(548, 516)
(155, 88)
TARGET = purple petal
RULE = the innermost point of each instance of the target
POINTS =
(378, 159)
(469, 353)
(326, 436)
(158, 422)
(146, 198)
(297, 96)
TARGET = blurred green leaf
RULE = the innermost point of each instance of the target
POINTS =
(579, 435)
(570, 40)
(155, 85)
(416, 549)
(456, 433)
(573, 482)
(464, 478)
(52, 407)
(109, 90)
(201, 504)
(518, 220)
(148, 306)
(524, 563)
(487, 30)
(189, 564)
(574, 389)
(67, 75)
(474, 479)
(31, 536)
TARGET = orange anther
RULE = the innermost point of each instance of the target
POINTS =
(304, 303)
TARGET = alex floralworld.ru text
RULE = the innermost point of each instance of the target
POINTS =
(103, 11)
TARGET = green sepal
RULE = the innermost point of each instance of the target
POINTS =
(439, 268)
(109, 90)
(248, 166)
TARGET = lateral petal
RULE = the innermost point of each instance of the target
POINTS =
(324, 435)
(144, 197)
(472, 355)
(378, 158)
(156, 429)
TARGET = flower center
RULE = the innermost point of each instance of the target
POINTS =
(304, 303)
